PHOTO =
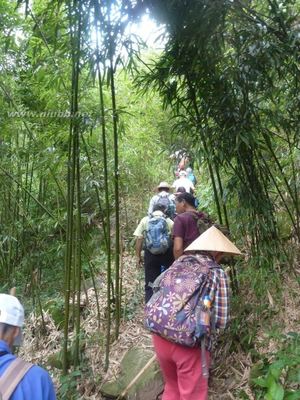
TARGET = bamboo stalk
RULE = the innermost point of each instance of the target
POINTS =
(98, 20)
(96, 190)
(116, 183)
(27, 191)
(76, 155)
(70, 198)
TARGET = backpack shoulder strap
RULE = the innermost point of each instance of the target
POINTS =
(194, 215)
(12, 377)
(202, 222)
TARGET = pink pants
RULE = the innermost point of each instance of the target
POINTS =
(182, 370)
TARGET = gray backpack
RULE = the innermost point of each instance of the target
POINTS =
(168, 204)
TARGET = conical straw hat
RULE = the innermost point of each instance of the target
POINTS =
(213, 240)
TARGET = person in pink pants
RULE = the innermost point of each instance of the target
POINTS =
(182, 371)
(182, 365)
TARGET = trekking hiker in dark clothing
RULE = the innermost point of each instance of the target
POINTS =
(181, 189)
(187, 223)
(19, 380)
(191, 300)
(154, 235)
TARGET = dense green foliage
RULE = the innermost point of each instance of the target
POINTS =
(88, 123)
(278, 379)
(70, 156)
(230, 74)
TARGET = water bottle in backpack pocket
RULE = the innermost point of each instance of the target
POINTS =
(157, 236)
(180, 309)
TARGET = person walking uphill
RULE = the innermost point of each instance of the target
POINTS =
(154, 234)
(183, 181)
(18, 380)
(165, 198)
(189, 300)
(188, 224)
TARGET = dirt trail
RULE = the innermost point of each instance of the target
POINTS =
(230, 371)
(226, 375)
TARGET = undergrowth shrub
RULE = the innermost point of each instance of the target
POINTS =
(277, 376)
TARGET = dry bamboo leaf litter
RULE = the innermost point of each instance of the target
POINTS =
(39, 345)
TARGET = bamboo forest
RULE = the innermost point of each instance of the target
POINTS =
(100, 103)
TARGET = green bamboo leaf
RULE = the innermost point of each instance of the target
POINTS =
(275, 392)
(292, 395)
(262, 382)
(276, 368)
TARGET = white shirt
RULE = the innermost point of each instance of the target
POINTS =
(182, 181)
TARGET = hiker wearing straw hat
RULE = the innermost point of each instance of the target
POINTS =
(190, 298)
(164, 198)
(19, 380)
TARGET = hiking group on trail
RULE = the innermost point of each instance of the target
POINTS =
(186, 297)
(186, 290)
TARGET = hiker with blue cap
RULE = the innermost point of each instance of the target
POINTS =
(19, 380)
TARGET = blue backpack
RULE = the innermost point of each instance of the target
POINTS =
(157, 237)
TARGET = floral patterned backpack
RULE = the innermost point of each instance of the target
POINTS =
(175, 308)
